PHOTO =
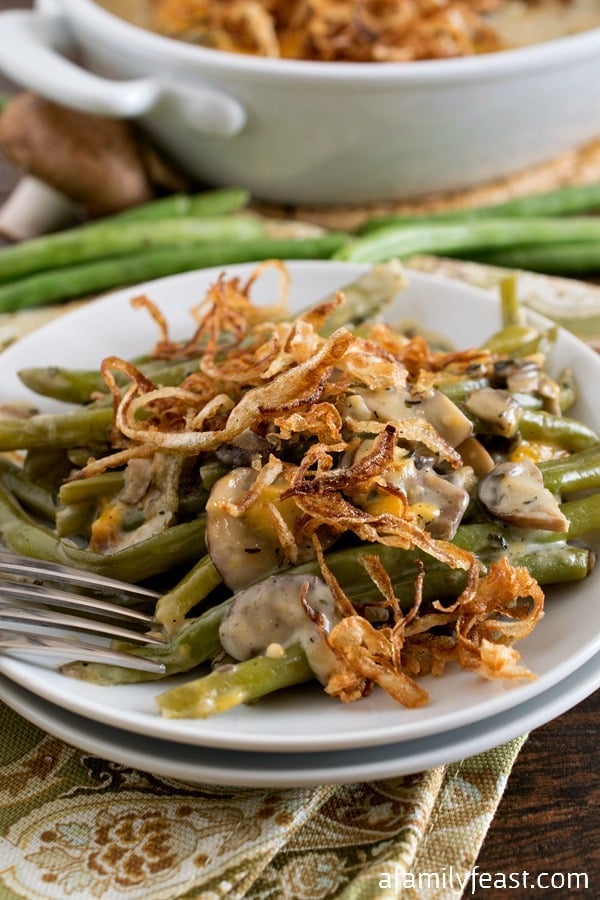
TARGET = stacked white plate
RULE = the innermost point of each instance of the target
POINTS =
(301, 736)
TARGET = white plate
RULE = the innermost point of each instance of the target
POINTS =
(306, 719)
(288, 770)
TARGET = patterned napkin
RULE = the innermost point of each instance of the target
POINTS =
(75, 826)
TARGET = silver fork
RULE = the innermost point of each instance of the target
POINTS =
(37, 596)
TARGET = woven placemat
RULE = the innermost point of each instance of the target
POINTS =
(578, 166)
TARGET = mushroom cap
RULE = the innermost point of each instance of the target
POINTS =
(100, 163)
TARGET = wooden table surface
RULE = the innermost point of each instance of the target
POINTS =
(549, 818)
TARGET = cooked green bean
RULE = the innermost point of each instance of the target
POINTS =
(539, 425)
(196, 643)
(173, 547)
(173, 607)
(82, 386)
(230, 685)
(76, 428)
(33, 496)
(576, 472)
(83, 278)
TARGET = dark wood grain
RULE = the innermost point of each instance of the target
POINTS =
(549, 817)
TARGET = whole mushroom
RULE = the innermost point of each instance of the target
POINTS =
(75, 166)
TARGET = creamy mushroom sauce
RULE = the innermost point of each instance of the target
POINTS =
(518, 24)
(270, 614)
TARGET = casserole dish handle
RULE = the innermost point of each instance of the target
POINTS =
(35, 47)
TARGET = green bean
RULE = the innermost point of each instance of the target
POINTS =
(230, 685)
(567, 387)
(216, 202)
(458, 237)
(583, 515)
(173, 606)
(91, 277)
(76, 428)
(521, 340)
(196, 643)
(33, 496)
(576, 472)
(175, 546)
(93, 488)
(560, 202)
(108, 239)
(572, 258)
(366, 297)
(513, 313)
(539, 425)
(245, 682)
(82, 385)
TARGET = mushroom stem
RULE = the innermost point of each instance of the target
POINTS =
(35, 208)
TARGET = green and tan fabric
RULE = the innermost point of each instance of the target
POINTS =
(74, 826)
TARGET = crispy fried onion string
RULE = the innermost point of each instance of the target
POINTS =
(297, 382)
(287, 386)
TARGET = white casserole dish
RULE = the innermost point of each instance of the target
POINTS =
(311, 132)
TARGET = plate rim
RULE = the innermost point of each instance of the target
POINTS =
(157, 727)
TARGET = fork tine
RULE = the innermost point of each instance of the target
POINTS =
(15, 617)
(37, 643)
(38, 593)
(13, 564)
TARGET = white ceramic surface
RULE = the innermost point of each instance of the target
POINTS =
(285, 770)
(305, 718)
(304, 132)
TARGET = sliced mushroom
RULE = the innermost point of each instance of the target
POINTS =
(272, 612)
(245, 547)
(438, 502)
(497, 408)
(514, 492)
(476, 456)
(74, 165)
(446, 418)
(391, 406)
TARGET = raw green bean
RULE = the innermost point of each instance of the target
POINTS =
(572, 258)
(560, 202)
(231, 685)
(458, 237)
(78, 245)
(217, 202)
(91, 277)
